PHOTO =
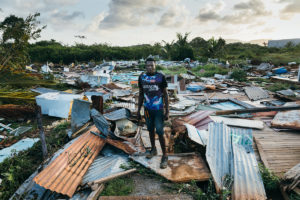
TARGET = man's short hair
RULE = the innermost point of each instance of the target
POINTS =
(150, 59)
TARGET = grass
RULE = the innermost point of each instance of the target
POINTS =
(209, 70)
(16, 169)
(270, 180)
(172, 70)
(239, 75)
(118, 187)
(282, 86)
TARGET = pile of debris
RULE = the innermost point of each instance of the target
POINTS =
(237, 124)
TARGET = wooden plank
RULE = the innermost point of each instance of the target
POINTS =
(108, 178)
(95, 194)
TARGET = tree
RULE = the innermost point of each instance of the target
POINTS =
(182, 49)
(216, 47)
(16, 33)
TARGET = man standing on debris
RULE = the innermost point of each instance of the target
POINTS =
(153, 93)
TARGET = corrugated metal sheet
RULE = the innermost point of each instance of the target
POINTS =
(228, 105)
(247, 182)
(181, 167)
(196, 135)
(287, 119)
(199, 119)
(117, 114)
(104, 166)
(65, 173)
(256, 93)
(230, 153)
(182, 112)
(219, 153)
(247, 123)
(100, 121)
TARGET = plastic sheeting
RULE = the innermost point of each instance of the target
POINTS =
(55, 104)
(22, 145)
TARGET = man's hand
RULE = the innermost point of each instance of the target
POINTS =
(166, 115)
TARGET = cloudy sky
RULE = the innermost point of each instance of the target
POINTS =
(130, 22)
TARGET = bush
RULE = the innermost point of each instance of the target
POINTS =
(239, 75)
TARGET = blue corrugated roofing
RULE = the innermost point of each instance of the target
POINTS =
(229, 153)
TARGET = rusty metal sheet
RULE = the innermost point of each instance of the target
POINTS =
(181, 167)
(65, 173)
(256, 93)
(287, 119)
(199, 119)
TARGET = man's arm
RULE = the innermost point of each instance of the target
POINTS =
(166, 102)
(140, 103)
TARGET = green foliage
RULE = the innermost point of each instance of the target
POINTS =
(173, 70)
(271, 181)
(209, 70)
(239, 75)
(16, 33)
(15, 170)
(282, 86)
(118, 187)
(208, 192)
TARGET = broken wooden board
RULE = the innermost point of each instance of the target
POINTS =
(279, 151)
(181, 167)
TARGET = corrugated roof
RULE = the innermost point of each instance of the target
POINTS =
(104, 166)
(247, 182)
(247, 123)
(117, 114)
(230, 153)
(219, 152)
(287, 119)
(256, 93)
(65, 173)
(199, 119)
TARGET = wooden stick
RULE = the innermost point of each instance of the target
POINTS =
(42, 133)
(94, 195)
(108, 178)
(255, 110)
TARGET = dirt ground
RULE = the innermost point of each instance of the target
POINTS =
(147, 186)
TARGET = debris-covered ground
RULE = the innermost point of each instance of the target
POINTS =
(233, 133)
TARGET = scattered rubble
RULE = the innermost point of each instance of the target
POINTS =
(233, 122)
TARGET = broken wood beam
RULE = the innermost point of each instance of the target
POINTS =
(41, 130)
(94, 194)
(108, 178)
(255, 110)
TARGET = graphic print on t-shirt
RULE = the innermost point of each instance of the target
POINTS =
(153, 90)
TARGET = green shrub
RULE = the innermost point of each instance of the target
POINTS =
(239, 75)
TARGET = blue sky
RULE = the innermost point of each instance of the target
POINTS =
(131, 22)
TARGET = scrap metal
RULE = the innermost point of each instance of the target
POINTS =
(181, 167)
(287, 119)
(65, 173)
(256, 93)
(239, 122)
(229, 153)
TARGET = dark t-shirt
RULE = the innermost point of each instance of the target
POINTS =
(152, 87)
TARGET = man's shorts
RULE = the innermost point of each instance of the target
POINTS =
(155, 119)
